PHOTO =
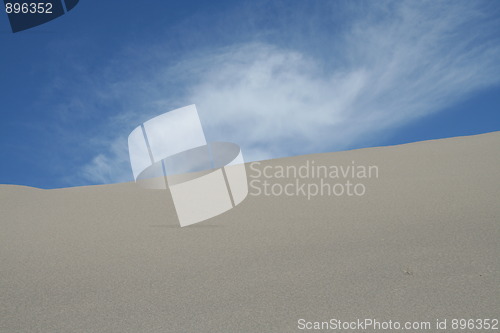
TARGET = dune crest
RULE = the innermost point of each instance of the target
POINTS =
(420, 244)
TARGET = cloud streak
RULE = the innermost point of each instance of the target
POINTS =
(388, 65)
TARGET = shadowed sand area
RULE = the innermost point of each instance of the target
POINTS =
(421, 244)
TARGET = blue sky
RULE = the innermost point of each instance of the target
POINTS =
(280, 78)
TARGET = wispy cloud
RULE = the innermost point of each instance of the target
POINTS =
(389, 65)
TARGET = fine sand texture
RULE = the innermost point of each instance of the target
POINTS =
(421, 244)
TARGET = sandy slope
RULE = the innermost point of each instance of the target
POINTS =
(421, 244)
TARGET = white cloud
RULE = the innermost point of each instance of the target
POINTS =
(110, 166)
(392, 64)
(277, 102)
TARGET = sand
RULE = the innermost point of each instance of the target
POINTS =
(421, 244)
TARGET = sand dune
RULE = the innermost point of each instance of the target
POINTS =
(421, 244)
